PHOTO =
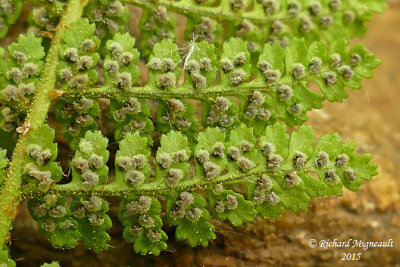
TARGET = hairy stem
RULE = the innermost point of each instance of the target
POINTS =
(209, 11)
(181, 93)
(156, 188)
(11, 190)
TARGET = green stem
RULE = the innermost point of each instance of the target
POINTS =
(218, 12)
(157, 188)
(154, 188)
(11, 190)
(148, 92)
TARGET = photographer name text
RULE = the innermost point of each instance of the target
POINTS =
(350, 243)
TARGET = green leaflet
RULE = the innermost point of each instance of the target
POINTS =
(284, 20)
(52, 264)
(19, 73)
(175, 114)
(77, 117)
(287, 71)
(10, 11)
(5, 259)
(131, 115)
(79, 57)
(30, 46)
(46, 15)
(3, 165)
(55, 220)
(172, 159)
(65, 220)
(162, 65)
(203, 28)
(209, 153)
(156, 24)
(140, 217)
(291, 180)
(120, 63)
(242, 152)
(93, 221)
(220, 112)
(200, 65)
(132, 161)
(40, 170)
(228, 205)
(89, 164)
(235, 62)
(189, 214)
(109, 16)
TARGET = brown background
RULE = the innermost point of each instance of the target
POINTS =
(370, 117)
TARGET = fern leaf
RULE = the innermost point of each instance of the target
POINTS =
(79, 56)
(10, 11)
(131, 115)
(252, 65)
(140, 217)
(200, 65)
(65, 220)
(156, 24)
(283, 20)
(235, 62)
(76, 117)
(175, 114)
(163, 66)
(89, 164)
(40, 170)
(172, 159)
(232, 206)
(55, 220)
(132, 162)
(203, 28)
(209, 153)
(93, 221)
(19, 74)
(189, 214)
(120, 61)
(109, 16)
(52, 264)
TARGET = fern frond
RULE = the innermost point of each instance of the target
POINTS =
(10, 11)
(64, 220)
(279, 20)
(204, 136)
(89, 164)
(19, 75)
(40, 170)
(156, 24)
(142, 223)
(279, 172)
(280, 89)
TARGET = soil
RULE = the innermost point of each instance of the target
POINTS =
(368, 117)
